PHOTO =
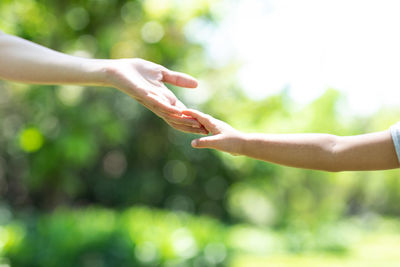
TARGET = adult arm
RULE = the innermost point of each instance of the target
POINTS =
(24, 61)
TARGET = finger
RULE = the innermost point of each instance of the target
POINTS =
(201, 117)
(174, 118)
(156, 103)
(184, 120)
(167, 115)
(206, 142)
(178, 118)
(188, 129)
(205, 130)
(179, 79)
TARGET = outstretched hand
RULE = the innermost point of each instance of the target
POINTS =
(224, 137)
(144, 81)
(24, 61)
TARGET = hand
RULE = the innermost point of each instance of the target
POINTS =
(224, 137)
(144, 81)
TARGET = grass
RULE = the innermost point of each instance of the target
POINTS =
(379, 247)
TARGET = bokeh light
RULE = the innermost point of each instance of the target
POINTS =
(77, 18)
(152, 32)
(31, 139)
(90, 177)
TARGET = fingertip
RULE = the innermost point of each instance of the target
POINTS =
(164, 107)
(187, 112)
(204, 130)
(195, 83)
(194, 143)
(179, 79)
(188, 81)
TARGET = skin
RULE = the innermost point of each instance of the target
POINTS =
(374, 151)
(27, 62)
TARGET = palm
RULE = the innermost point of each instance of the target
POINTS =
(144, 81)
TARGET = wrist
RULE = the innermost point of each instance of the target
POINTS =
(102, 72)
(241, 140)
(112, 72)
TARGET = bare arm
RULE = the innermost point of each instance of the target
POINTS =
(24, 61)
(373, 151)
(326, 152)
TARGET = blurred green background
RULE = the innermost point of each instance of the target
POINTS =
(88, 177)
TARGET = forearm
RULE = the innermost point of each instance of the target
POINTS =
(24, 61)
(322, 151)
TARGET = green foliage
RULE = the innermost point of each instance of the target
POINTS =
(67, 144)
(98, 237)
(82, 146)
(148, 237)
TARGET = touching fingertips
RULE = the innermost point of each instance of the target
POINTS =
(204, 130)
(197, 125)
(188, 112)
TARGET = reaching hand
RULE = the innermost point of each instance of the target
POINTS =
(144, 81)
(24, 61)
(224, 137)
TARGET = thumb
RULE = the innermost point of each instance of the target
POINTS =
(205, 142)
(179, 79)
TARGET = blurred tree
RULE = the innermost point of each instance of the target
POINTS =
(76, 145)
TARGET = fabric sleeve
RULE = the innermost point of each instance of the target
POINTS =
(395, 131)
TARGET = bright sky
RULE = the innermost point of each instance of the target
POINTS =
(311, 45)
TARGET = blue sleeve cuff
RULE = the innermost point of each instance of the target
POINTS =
(395, 131)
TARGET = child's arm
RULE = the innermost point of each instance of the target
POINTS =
(311, 151)
(24, 61)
